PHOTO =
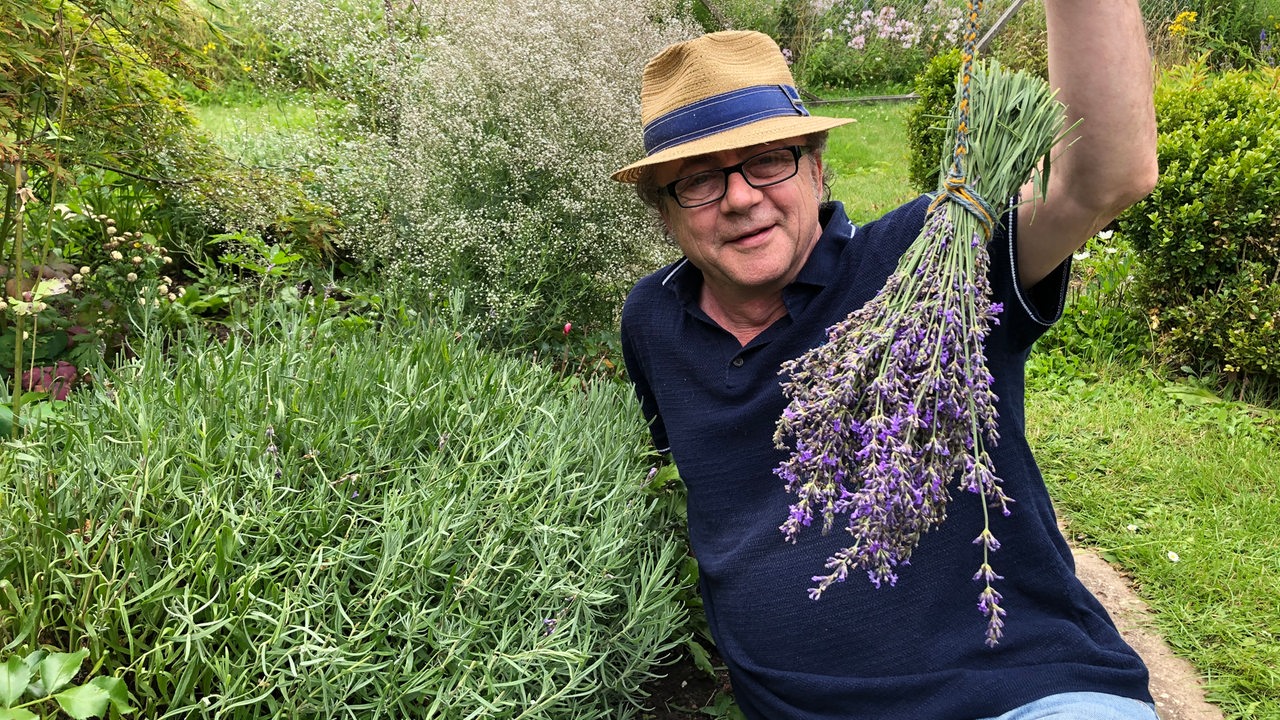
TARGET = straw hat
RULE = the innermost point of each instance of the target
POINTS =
(722, 91)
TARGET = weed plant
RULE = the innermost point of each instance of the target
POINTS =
(342, 520)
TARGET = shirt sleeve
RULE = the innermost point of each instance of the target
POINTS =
(1029, 312)
(644, 392)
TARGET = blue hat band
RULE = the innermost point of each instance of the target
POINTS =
(720, 113)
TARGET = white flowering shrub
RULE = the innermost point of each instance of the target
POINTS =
(482, 156)
(304, 43)
(509, 127)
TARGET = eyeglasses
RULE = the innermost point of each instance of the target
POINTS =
(760, 171)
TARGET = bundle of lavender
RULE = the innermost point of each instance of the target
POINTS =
(898, 401)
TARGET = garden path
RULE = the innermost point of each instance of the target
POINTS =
(1175, 684)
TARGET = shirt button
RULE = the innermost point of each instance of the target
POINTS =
(737, 362)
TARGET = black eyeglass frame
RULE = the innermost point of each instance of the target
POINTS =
(796, 152)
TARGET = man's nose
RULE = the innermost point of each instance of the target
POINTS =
(738, 192)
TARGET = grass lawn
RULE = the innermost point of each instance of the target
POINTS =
(866, 160)
(1178, 490)
(274, 129)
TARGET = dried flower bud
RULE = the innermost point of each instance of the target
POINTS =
(131, 277)
(136, 260)
(162, 289)
(111, 230)
(77, 278)
(167, 260)
(115, 255)
(84, 270)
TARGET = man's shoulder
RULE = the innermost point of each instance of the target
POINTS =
(906, 218)
(655, 290)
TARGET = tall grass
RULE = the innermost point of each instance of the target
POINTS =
(332, 522)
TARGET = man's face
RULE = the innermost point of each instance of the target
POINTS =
(753, 241)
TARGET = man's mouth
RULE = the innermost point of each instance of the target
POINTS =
(751, 236)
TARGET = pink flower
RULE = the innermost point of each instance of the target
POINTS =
(567, 328)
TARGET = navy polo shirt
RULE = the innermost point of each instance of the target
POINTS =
(914, 650)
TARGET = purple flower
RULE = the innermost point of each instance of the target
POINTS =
(896, 404)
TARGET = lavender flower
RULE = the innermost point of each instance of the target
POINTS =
(899, 402)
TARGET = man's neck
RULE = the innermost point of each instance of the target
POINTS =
(744, 318)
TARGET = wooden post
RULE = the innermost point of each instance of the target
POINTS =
(999, 24)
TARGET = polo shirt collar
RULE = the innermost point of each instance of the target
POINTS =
(821, 268)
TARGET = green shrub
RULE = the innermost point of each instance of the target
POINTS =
(1209, 234)
(1102, 323)
(509, 126)
(928, 118)
(343, 521)
(854, 46)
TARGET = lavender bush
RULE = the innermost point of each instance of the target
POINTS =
(898, 402)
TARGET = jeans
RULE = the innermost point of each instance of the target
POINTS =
(1082, 706)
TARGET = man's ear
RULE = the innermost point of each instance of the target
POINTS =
(817, 175)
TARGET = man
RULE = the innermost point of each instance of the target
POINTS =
(734, 168)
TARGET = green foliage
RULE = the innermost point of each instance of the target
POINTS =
(927, 120)
(309, 518)
(1225, 34)
(850, 46)
(1209, 234)
(88, 87)
(1102, 322)
(46, 679)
